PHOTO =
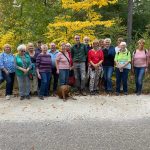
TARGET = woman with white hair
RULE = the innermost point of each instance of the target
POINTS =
(7, 66)
(122, 60)
(23, 66)
(44, 71)
(108, 64)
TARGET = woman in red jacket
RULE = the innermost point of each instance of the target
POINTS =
(95, 59)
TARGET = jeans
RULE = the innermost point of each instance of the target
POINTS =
(24, 85)
(9, 82)
(45, 80)
(79, 72)
(139, 75)
(108, 71)
(122, 77)
(55, 82)
(63, 76)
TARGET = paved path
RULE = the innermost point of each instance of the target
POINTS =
(90, 123)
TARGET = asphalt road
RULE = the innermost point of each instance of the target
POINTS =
(76, 135)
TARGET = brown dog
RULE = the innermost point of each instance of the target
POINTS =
(64, 92)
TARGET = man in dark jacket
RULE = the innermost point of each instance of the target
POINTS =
(79, 56)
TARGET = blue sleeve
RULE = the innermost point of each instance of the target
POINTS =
(1, 62)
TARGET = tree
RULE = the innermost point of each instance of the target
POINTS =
(78, 17)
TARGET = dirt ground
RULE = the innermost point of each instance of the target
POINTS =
(94, 107)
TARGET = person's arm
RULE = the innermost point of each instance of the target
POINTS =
(57, 63)
(19, 68)
(2, 65)
(37, 66)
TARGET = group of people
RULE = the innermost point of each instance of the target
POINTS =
(90, 65)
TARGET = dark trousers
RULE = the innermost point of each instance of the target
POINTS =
(108, 72)
(55, 82)
(9, 82)
(122, 77)
(139, 75)
(45, 79)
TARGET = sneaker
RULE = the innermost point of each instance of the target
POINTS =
(92, 93)
(125, 93)
(28, 97)
(41, 97)
(83, 93)
(22, 98)
(138, 93)
(117, 93)
(7, 97)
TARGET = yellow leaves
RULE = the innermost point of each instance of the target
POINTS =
(8, 37)
(86, 4)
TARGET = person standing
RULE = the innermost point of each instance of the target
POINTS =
(44, 71)
(63, 65)
(33, 75)
(108, 64)
(79, 55)
(140, 65)
(7, 66)
(23, 66)
(122, 60)
(53, 53)
(95, 59)
(117, 48)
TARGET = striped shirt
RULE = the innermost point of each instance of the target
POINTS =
(44, 63)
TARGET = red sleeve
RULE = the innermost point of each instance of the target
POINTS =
(71, 61)
(89, 56)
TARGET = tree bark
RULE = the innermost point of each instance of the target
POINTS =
(130, 21)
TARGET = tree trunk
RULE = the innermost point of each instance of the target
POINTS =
(130, 20)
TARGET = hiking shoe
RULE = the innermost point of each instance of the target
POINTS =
(22, 98)
(7, 97)
(83, 93)
(125, 93)
(41, 97)
(117, 93)
(92, 93)
(28, 97)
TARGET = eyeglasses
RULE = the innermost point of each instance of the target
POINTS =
(23, 51)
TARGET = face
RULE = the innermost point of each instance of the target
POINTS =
(44, 49)
(22, 51)
(7, 49)
(107, 43)
(119, 41)
(53, 46)
(141, 44)
(86, 40)
(101, 43)
(39, 45)
(122, 47)
(68, 47)
(63, 48)
(77, 39)
(96, 44)
(30, 48)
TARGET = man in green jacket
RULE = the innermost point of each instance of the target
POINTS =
(79, 56)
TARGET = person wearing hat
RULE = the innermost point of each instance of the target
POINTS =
(122, 60)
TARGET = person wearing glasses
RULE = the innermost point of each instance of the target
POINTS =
(33, 75)
(23, 66)
(7, 67)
